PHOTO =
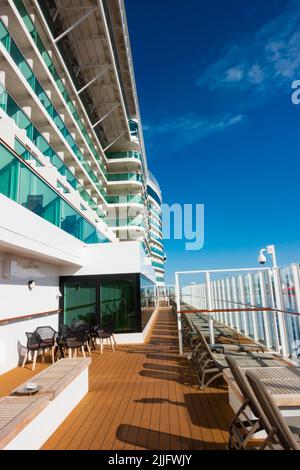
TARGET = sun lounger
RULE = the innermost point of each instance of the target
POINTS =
(285, 431)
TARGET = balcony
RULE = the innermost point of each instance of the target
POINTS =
(158, 265)
(26, 71)
(157, 251)
(124, 155)
(156, 225)
(21, 183)
(129, 222)
(124, 178)
(14, 111)
(125, 199)
(156, 237)
(45, 57)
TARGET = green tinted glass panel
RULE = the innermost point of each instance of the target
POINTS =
(118, 304)
(80, 302)
(148, 299)
(36, 196)
(9, 173)
(21, 184)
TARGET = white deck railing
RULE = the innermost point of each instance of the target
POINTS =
(262, 303)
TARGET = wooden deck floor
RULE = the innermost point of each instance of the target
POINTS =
(141, 397)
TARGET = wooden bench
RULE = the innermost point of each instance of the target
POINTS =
(16, 413)
(55, 378)
(26, 422)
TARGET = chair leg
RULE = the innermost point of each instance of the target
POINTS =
(52, 354)
(83, 351)
(88, 348)
(43, 357)
(70, 353)
(112, 345)
(34, 360)
(101, 345)
(75, 353)
(25, 359)
(113, 336)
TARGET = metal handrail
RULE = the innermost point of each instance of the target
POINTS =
(29, 316)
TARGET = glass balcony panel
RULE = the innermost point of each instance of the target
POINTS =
(21, 184)
(9, 174)
(71, 222)
(157, 251)
(124, 199)
(124, 177)
(23, 152)
(124, 222)
(124, 154)
(158, 265)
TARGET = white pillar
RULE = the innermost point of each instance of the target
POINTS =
(177, 294)
(209, 307)
(296, 280)
(229, 298)
(266, 315)
(253, 314)
(236, 305)
(280, 316)
(242, 291)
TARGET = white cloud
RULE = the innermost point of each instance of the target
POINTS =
(256, 74)
(234, 74)
(190, 128)
(260, 64)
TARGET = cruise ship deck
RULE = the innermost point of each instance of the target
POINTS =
(141, 397)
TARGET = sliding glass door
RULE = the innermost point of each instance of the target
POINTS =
(80, 302)
(117, 300)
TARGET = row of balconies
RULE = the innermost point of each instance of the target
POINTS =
(43, 98)
(41, 140)
(36, 185)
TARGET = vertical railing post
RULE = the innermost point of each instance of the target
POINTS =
(252, 302)
(242, 291)
(224, 298)
(272, 297)
(228, 289)
(219, 305)
(213, 285)
(235, 299)
(220, 318)
(296, 277)
(264, 302)
(177, 294)
(281, 316)
(209, 307)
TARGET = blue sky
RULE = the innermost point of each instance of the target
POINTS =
(214, 85)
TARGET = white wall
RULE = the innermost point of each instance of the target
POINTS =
(17, 300)
(15, 297)
(13, 333)
(112, 258)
